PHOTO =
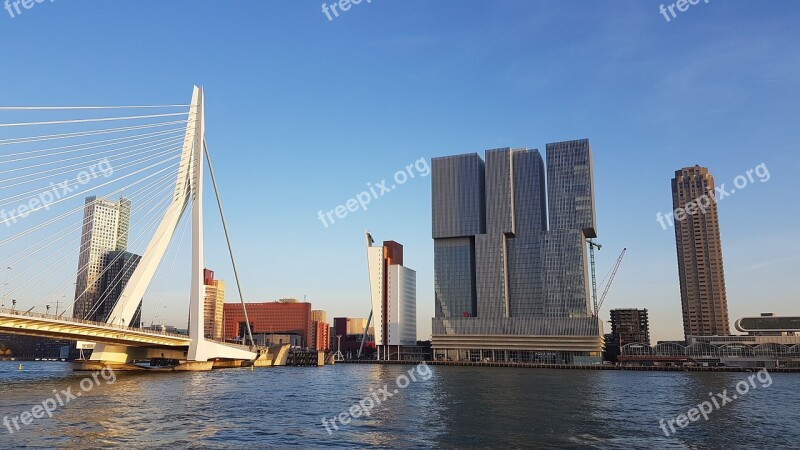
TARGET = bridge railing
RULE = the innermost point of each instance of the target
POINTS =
(61, 318)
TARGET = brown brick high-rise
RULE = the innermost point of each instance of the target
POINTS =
(702, 278)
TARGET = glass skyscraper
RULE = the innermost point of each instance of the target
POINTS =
(105, 229)
(118, 268)
(511, 280)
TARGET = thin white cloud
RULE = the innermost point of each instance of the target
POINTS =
(773, 262)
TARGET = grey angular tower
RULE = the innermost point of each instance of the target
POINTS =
(507, 285)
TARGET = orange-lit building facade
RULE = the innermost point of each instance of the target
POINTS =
(214, 300)
(321, 336)
(270, 317)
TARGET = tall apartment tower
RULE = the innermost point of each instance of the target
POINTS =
(702, 277)
(105, 229)
(511, 281)
(214, 305)
(394, 298)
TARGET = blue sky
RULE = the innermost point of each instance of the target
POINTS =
(303, 112)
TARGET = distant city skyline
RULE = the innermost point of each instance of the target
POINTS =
(716, 86)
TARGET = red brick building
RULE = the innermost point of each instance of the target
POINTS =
(285, 316)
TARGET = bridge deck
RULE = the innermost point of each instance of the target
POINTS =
(59, 327)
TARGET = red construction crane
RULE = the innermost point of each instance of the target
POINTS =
(610, 280)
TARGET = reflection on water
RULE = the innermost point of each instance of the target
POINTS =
(459, 407)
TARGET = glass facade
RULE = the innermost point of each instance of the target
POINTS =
(499, 269)
(570, 187)
(454, 277)
(119, 267)
(105, 229)
(458, 196)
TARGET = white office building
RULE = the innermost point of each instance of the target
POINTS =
(393, 290)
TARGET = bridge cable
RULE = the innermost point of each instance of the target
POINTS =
(228, 239)
(68, 254)
(54, 108)
(72, 167)
(64, 284)
(172, 266)
(151, 224)
(95, 119)
(81, 269)
(101, 185)
(49, 152)
(77, 181)
(79, 224)
(76, 134)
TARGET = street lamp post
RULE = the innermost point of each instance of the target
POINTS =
(64, 296)
(5, 286)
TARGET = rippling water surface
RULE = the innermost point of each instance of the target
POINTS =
(457, 407)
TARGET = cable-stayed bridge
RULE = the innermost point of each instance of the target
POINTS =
(95, 206)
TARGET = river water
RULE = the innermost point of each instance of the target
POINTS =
(434, 407)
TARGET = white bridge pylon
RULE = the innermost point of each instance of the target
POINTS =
(188, 188)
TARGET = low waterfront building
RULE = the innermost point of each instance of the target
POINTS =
(780, 347)
(350, 343)
(287, 316)
(29, 347)
(768, 324)
(269, 339)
